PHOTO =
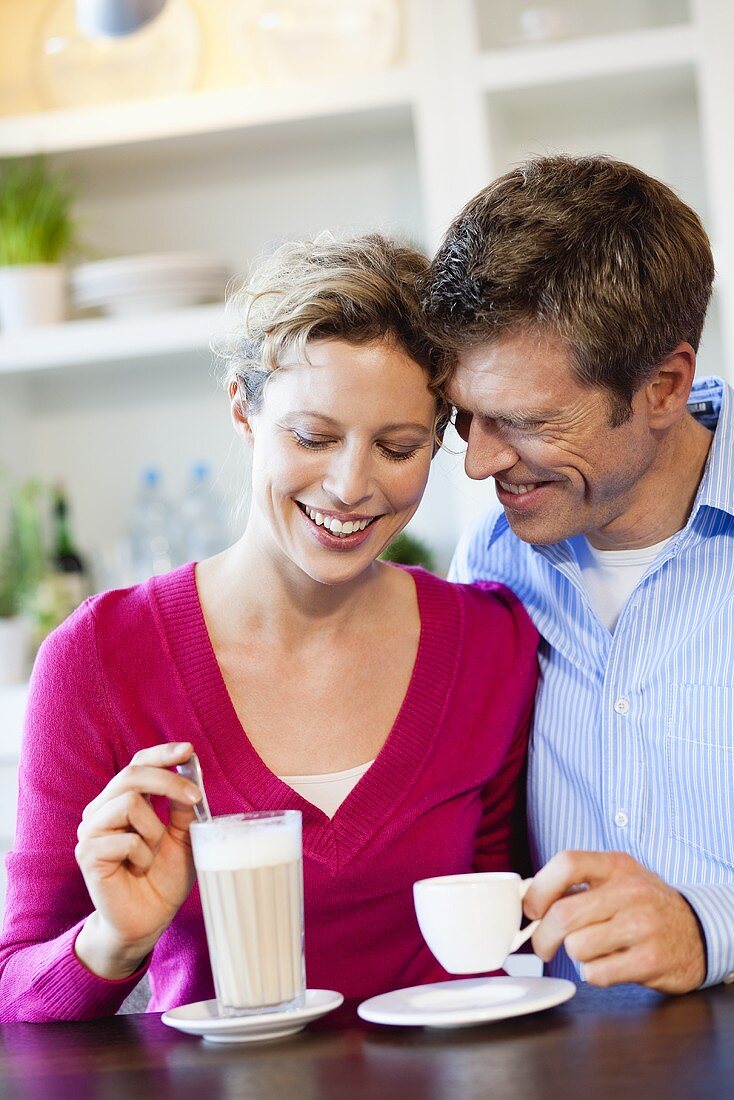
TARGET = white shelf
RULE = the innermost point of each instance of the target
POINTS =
(195, 114)
(583, 58)
(139, 340)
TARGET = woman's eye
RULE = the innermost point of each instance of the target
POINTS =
(311, 444)
(398, 456)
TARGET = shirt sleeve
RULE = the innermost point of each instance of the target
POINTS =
(714, 907)
(70, 751)
(502, 842)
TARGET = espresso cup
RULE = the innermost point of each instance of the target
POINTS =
(250, 873)
(472, 922)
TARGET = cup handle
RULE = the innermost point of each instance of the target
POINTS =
(525, 933)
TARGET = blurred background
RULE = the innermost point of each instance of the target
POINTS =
(175, 153)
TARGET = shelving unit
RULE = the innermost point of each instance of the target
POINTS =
(480, 85)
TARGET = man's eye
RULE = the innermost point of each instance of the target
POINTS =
(462, 422)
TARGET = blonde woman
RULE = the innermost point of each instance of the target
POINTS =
(388, 706)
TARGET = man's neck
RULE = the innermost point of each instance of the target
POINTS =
(670, 488)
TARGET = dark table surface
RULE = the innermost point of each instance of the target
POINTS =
(623, 1043)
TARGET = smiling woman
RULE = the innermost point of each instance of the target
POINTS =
(387, 706)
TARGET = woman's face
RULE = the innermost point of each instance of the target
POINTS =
(342, 447)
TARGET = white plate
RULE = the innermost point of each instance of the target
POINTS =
(140, 266)
(466, 1002)
(202, 1018)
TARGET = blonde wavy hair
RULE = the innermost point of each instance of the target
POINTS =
(357, 289)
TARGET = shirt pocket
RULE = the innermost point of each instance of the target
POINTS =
(700, 759)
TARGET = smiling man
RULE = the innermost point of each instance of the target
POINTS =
(573, 292)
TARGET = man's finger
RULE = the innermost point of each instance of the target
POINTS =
(567, 870)
(570, 914)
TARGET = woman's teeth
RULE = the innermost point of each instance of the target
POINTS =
(335, 526)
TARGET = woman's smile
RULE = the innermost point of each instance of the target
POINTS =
(341, 525)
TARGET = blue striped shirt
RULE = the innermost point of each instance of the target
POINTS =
(633, 739)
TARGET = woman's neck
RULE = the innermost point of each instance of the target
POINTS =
(246, 590)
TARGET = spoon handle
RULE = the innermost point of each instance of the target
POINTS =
(192, 770)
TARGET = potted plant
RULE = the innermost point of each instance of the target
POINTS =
(37, 231)
(407, 549)
(21, 566)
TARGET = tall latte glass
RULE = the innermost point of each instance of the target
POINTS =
(250, 873)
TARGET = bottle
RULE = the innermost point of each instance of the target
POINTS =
(65, 557)
(65, 583)
(151, 533)
(201, 516)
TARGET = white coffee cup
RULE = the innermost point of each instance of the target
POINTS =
(472, 922)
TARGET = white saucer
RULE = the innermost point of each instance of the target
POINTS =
(202, 1018)
(466, 1002)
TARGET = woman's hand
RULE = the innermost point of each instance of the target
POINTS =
(137, 870)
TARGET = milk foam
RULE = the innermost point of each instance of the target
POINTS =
(228, 845)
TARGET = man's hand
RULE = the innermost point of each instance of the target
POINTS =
(626, 926)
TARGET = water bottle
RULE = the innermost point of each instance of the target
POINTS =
(152, 539)
(201, 516)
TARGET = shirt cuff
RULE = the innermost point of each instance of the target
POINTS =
(714, 907)
(68, 991)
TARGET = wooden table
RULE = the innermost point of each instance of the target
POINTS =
(625, 1043)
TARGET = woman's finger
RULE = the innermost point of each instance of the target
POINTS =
(146, 780)
(165, 755)
(103, 855)
(129, 811)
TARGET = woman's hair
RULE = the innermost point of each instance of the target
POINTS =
(358, 290)
(588, 248)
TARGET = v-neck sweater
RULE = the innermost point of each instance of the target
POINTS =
(135, 667)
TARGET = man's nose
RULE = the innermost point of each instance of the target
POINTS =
(487, 453)
(348, 479)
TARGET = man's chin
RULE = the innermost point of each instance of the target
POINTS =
(537, 530)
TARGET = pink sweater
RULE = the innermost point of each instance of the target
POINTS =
(135, 667)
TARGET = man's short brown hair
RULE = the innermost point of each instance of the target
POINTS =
(589, 248)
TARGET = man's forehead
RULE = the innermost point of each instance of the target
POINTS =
(528, 372)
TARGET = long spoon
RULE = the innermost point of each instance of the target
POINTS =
(192, 770)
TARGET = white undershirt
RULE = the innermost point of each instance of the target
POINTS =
(327, 791)
(610, 576)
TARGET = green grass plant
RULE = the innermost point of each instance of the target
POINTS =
(37, 224)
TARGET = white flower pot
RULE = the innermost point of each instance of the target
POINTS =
(14, 647)
(32, 294)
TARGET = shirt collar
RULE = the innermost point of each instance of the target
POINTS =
(712, 403)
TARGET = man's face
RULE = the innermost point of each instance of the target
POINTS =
(561, 468)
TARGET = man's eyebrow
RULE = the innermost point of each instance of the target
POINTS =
(516, 419)
(412, 426)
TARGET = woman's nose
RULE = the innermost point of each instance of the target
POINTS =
(349, 479)
(487, 453)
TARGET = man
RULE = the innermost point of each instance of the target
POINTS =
(573, 293)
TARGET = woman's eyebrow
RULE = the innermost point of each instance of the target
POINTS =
(413, 426)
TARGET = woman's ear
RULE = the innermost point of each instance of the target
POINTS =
(238, 411)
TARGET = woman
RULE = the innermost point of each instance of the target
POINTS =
(398, 704)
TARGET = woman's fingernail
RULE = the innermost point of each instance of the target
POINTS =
(193, 794)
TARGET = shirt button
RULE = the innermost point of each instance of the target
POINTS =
(729, 979)
(622, 705)
(621, 819)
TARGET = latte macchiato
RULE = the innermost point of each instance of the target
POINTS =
(250, 873)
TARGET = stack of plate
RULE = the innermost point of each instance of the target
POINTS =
(147, 284)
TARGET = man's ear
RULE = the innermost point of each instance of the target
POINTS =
(668, 390)
(238, 412)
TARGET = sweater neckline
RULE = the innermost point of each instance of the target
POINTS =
(387, 782)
